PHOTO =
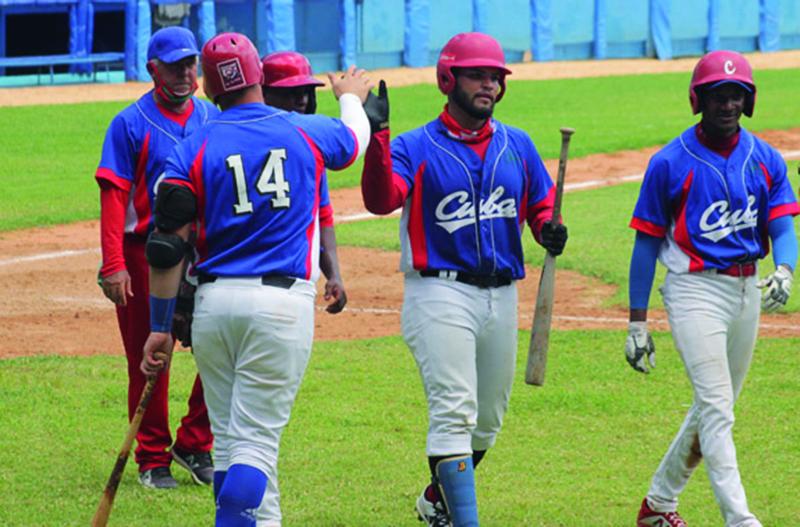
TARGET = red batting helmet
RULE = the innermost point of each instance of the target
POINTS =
(470, 50)
(287, 69)
(720, 67)
(230, 62)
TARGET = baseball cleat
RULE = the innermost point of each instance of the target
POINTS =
(432, 513)
(157, 478)
(199, 465)
(650, 518)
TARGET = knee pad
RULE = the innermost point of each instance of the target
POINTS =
(456, 477)
(240, 496)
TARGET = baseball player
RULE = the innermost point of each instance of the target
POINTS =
(289, 84)
(249, 182)
(710, 203)
(467, 184)
(134, 154)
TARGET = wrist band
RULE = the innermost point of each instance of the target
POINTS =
(161, 311)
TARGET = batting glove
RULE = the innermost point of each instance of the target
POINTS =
(639, 345)
(775, 289)
(377, 109)
(554, 237)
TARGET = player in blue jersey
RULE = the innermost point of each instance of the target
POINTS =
(135, 150)
(467, 184)
(289, 84)
(710, 203)
(249, 182)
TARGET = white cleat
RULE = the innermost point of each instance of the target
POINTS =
(433, 514)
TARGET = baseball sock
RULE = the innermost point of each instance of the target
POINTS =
(219, 479)
(240, 496)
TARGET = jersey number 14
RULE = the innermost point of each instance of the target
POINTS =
(271, 180)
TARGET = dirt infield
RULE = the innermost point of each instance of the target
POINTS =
(51, 304)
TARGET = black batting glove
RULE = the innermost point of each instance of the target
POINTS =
(377, 109)
(554, 237)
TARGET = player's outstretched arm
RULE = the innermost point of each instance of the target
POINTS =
(351, 89)
(639, 344)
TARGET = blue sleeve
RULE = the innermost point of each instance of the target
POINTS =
(118, 155)
(652, 212)
(643, 269)
(539, 182)
(784, 241)
(402, 165)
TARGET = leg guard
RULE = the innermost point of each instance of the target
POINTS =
(457, 486)
(219, 479)
(240, 496)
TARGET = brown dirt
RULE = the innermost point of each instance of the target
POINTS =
(50, 303)
(406, 76)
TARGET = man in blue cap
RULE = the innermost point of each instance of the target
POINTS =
(135, 150)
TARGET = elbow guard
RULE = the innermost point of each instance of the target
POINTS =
(175, 207)
(164, 250)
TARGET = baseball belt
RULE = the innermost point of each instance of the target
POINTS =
(479, 280)
(284, 282)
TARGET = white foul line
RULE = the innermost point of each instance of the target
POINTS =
(47, 256)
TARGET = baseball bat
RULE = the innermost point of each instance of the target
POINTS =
(100, 518)
(540, 331)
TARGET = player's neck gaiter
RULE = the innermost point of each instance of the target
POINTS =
(462, 134)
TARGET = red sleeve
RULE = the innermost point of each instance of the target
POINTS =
(540, 212)
(383, 190)
(326, 216)
(113, 202)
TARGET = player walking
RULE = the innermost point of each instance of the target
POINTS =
(289, 84)
(466, 183)
(134, 154)
(709, 201)
(250, 182)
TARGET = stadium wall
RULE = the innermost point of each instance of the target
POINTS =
(389, 33)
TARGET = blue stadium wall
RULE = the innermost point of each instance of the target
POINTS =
(388, 33)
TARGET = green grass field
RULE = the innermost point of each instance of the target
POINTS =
(48, 172)
(577, 453)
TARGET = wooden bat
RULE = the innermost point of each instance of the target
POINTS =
(100, 518)
(540, 331)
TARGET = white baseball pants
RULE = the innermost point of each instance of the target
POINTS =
(714, 322)
(464, 340)
(252, 344)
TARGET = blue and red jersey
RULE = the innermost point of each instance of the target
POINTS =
(135, 151)
(257, 173)
(464, 207)
(712, 211)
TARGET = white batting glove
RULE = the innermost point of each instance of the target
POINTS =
(775, 289)
(638, 346)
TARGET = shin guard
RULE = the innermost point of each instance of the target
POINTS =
(457, 485)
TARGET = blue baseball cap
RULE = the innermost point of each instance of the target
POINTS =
(172, 44)
(747, 88)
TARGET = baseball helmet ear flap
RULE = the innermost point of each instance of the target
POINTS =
(719, 67)
(470, 50)
(230, 63)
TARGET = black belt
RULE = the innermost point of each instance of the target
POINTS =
(479, 280)
(274, 280)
